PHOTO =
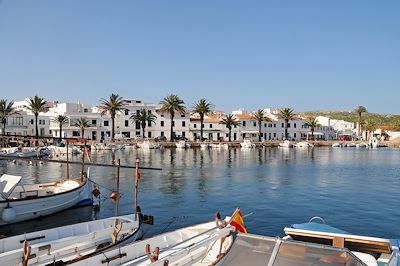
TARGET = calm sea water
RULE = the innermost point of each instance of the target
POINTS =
(353, 189)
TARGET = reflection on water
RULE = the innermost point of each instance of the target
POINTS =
(354, 189)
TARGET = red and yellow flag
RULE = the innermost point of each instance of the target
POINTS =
(237, 221)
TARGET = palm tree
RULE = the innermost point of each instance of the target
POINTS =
(202, 107)
(172, 104)
(82, 123)
(144, 116)
(37, 105)
(286, 114)
(61, 120)
(112, 106)
(259, 116)
(6, 109)
(359, 110)
(312, 122)
(370, 126)
(229, 121)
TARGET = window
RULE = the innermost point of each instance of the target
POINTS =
(254, 124)
(274, 125)
(31, 121)
(183, 115)
(93, 122)
(162, 115)
(126, 112)
(85, 110)
(288, 125)
(283, 125)
(244, 123)
(195, 125)
(137, 112)
(137, 125)
(75, 133)
(149, 123)
(210, 125)
(126, 123)
(106, 123)
(162, 133)
(294, 135)
(50, 131)
(149, 134)
(294, 125)
(183, 124)
(274, 135)
(183, 134)
(162, 123)
(137, 133)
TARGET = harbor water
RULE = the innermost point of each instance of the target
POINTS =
(356, 190)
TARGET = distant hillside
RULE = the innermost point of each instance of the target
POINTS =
(353, 117)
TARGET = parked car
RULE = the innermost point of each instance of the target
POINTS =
(161, 138)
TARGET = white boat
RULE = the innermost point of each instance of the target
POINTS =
(303, 144)
(219, 146)
(368, 250)
(146, 144)
(182, 144)
(336, 145)
(64, 244)
(101, 146)
(24, 152)
(286, 144)
(247, 144)
(373, 142)
(205, 145)
(24, 202)
(199, 241)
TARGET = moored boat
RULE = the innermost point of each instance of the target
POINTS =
(286, 144)
(62, 245)
(146, 144)
(20, 202)
(202, 244)
(246, 143)
(182, 144)
(368, 250)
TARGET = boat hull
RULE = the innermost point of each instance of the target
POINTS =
(34, 207)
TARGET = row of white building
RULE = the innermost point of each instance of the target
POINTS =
(185, 125)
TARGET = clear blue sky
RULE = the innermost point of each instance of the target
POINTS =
(307, 55)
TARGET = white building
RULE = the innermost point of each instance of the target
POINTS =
(341, 127)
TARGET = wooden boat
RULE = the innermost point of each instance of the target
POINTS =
(368, 250)
(24, 202)
(206, 243)
(61, 245)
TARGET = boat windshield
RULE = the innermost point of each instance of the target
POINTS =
(259, 250)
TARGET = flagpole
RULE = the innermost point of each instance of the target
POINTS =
(83, 161)
(67, 161)
(233, 215)
(117, 202)
(136, 187)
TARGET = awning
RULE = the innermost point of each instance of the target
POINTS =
(316, 133)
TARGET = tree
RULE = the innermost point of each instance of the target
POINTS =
(37, 105)
(6, 109)
(202, 107)
(359, 110)
(286, 114)
(144, 116)
(259, 116)
(60, 120)
(312, 122)
(370, 126)
(172, 104)
(113, 105)
(82, 123)
(229, 121)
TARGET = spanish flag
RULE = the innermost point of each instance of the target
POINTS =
(237, 221)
